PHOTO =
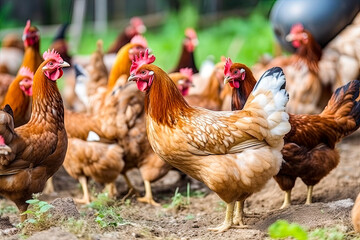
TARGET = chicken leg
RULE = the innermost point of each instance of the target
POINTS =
(287, 200)
(239, 214)
(86, 197)
(49, 187)
(309, 195)
(111, 189)
(131, 187)
(148, 198)
(228, 219)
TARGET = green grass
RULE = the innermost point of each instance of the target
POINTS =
(242, 39)
(282, 229)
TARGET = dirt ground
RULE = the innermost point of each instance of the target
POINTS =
(333, 200)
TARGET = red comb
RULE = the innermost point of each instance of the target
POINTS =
(2, 140)
(187, 72)
(190, 33)
(52, 55)
(297, 28)
(27, 26)
(140, 60)
(140, 40)
(26, 72)
(228, 64)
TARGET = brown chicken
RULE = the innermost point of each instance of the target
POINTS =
(19, 96)
(136, 27)
(187, 59)
(309, 151)
(99, 161)
(355, 214)
(118, 74)
(32, 58)
(233, 153)
(97, 72)
(183, 80)
(124, 57)
(214, 97)
(308, 94)
(37, 149)
(123, 118)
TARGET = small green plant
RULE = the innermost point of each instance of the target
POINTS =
(38, 216)
(283, 229)
(179, 200)
(106, 214)
(327, 234)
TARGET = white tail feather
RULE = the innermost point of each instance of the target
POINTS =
(273, 104)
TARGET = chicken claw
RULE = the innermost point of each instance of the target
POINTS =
(82, 200)
(149, 201)
(148, 198)
(287, 200)
(86, 198)
(228, 219)
(239, 213)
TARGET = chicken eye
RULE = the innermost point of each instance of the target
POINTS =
(50, 63)
(143, 72)
(236, 71)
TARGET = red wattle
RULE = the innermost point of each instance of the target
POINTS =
(142, 85)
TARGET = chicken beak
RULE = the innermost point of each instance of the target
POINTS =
(227, 79)
(64, 64)
(289, 37)
(132, 77)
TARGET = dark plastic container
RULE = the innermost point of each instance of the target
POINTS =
(323, 18)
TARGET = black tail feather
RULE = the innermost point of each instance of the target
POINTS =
(60, 34)
(9, 110)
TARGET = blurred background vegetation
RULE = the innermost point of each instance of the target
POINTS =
(236, 29)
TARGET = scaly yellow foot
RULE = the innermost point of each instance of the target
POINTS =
(82, 200)
(287, 200)
(228, 219)
(148, 198)
(309, 195)
(86, 198)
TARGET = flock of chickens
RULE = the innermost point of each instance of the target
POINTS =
(123, 112)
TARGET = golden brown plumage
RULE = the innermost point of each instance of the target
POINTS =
(100, 161)
(78, 125)
(308, 94)
(123, 62)
(123, 118)
(309, 150)
(39, 146)
(19, 97)
(233, 153)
